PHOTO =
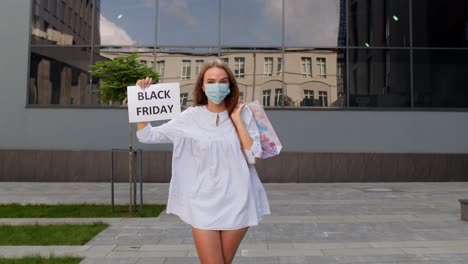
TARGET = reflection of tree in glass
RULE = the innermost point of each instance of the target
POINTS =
(288, 101)
(117, 74)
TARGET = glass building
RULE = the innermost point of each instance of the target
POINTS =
(285, 53)
(358, 90)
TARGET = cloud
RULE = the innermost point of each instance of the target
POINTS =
(111, 34)
(181, 10)
(307, 22)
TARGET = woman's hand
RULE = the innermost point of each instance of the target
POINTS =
(143, 83)
(236, 114)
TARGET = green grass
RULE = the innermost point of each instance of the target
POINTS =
(75, 210)
(40, 260)
(68, 234)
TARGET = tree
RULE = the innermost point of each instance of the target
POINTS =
(115, 75)
(288, 101)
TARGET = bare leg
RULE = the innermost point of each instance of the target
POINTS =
(231, 240)
(208, 244)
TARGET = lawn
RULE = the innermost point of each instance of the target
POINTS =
(66, 234)
(75, 210)
(39, 260)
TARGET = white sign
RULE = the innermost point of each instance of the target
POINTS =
(157, 102)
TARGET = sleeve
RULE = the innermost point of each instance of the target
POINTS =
(165, 133)
(256, 150)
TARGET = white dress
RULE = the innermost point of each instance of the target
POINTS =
(213, 185)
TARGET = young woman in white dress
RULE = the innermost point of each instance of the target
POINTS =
(214, 186)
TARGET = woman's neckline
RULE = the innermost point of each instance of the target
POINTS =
(206, 108)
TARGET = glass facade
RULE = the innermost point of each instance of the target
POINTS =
(309, 54)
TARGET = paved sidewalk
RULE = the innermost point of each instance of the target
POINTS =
(310, 223)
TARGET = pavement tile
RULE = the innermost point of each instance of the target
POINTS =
(323, 223)
(362, 251)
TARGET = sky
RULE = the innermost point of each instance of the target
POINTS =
(243, 22)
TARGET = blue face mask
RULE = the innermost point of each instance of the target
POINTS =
(216, 92)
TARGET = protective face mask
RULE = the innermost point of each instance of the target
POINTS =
(216, 92)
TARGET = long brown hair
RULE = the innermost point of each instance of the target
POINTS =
(199, 97)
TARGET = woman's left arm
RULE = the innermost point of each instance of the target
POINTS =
(248, 134)
(244, 137)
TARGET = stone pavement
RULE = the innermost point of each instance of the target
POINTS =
(310, 223)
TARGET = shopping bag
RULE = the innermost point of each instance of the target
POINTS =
(271, 145)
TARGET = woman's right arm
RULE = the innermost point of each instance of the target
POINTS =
(164, 133)
(143, 83)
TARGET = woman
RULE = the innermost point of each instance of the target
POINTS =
(214, 186)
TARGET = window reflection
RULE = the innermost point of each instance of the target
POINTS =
(268, 66)
(323, 98)
(319, 23)
(125, 22)
(145, 56)
(198, 66)
(440, 78)
(380, 23)
(379, 78)
(278, 96)
(187, 23)
(306, 63)
(258, 26)
(302, 80)
(61, 22)
(307, 70)
(239, 67)
(160, 66)
(241, 62)
(322, 67)
(60, 76)
(186, 69)
(308, 98)
(266, 97)
(311, 78)
(173, 65)
(440, 23)
(253, 69)
(183, 99)
(279, 66)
